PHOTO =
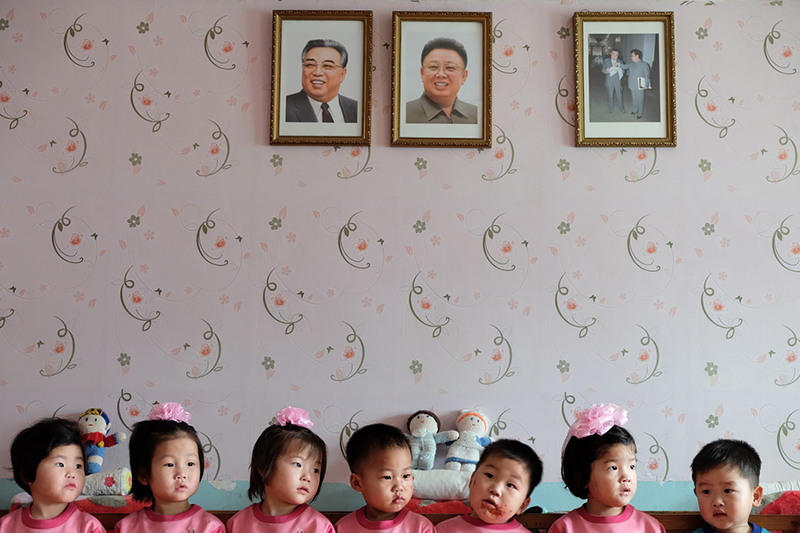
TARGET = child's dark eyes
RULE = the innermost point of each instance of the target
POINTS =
(169, 465)
(728, 491)
(298, 465)
(612, 468)
(490, 476)
(511, 486)
(191, 463)
(60, 465)
(406, 476)
(316, 470)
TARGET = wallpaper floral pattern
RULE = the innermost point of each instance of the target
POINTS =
(154, 247)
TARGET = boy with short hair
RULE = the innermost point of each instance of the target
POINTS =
(725, 474)
(379, 457)
(499, 489)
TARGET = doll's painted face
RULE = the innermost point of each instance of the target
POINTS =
(421, 423)
(93, 424)
(473, 422)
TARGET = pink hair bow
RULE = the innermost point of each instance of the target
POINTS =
(596, 420)
(294, 416)
(169, 411)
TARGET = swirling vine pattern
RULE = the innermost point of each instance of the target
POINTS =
(123, 397)
(497, 33)
(703, 93)
(568, 399)
(656, 448)
(271, 286)
(730, 329)
(4, 317)
(345, 231)
(359, 169)
(562, 93)
(502, 139)
(499, 340)
(770, 38)
(59, 226)
(348, 430)
(488, 234)
(217, 135)
(69, 365)
(155, 121)
(784, 140)
(778, 235)
(210, 36)
(74, 29)
(437, 328)
(792, 342)
(788, 426)
(14, 119)
(646, 341)
(633, 235)
(583, 328)
(208, 224)
(351, 338)
(74, 132)
(498, 426)
(652, 171)
(208, 335)
(146, 321)
(209, 447)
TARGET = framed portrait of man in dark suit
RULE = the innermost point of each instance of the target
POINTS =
(441, 79)
(321, 77)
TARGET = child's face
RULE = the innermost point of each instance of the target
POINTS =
(294, 480)
(726, 499)
(498, 489)
(174, 475)
(613, 481)
(59, 477)
(386, 482)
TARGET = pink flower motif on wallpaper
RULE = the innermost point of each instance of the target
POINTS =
(153, 72)
(497, 356)
(89, 98)
(577, 275)
(572, 306)
(718, 305)
(144, 268)
(147, 100)
(513, 304)
(75, 240)
(149, 235)
(722, 276)
(5, 98)
(659, 305)
(361, 246)
(431, 274)
(78, 296)
(280, 301)
(795, 106)
(505, 248)
(188, 290)
(354, 152)
(12, 69)
(791, 357)
(498, 153)
(728, 435)
(641, 154)
(783, 155)
(226, 47)
(426, 304)
(768, 297)
(43, 287)
(514, 105)
(137, 298)
(650, 249)
(580, 242)
(1, 267)
(797, 445)
(71, 147)
(667, 412)
(718, 46)
(476, 295)
(17, 37)
(715, 78)
(711, 106)
(158, 40)
(223, 411)
(725, 242)
(436, 240)
(87, 45)
(55, 90)
(59, 349)
(220, 242)
(214, 149)
(285, 271)
(348, 353)
(205, 349)
(224, 299)
(623, 296)
(331, 293)
(134, 411)
(794, 249)
(571, 106)
(652, 464)
(206, 463)
(366, 301)
(232, 100)
(787, 52)
(644, 355)
(508, 50)
(196, 93)
(4, 233)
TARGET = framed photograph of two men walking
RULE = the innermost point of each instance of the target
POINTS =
(625, 79)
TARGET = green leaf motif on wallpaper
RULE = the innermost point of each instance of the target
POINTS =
(568, 399)
(563, 228)
(564, 93)
(489, 234)
(361, 245)
(275, 224)
(143, 27)
(571, 305)
(421, 163)
(718, 307)
(124, 359)
(214, 149)
(351, 352)
(500, 425)
(220, 242)
(645, 355)
(355, 152)
(497, 356)
(71, 148)
(147, 103)
(702, 93)
(712, 421)
(787, 427)
(348, 429)
(227, 47)
(655, 449)
(425, 305)
(785, 53)
(280, 303)
(794, 247)
(4, 24)
(419, 226)
(208, 335)
(137, 298)
(497, 33)
(276, 160)
(711, 369)
(499, 151)
(415, 367)
(76, 239)
(705, 165)
(701, 33)
(708, 228)
(563, 366)
(785, 155)
(563, 32)
(87, 45)
(791, 358)
(633, 235)
(135, 159)
(60, 349)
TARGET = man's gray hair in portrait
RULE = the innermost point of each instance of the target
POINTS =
(326, 43)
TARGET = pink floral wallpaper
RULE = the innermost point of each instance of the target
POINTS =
(155, 247)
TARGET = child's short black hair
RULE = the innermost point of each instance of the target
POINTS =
(146, 436)
(370, 439)
(274, 442)
(579, 454)
(729, 453)
(32, 445)
(517, 451)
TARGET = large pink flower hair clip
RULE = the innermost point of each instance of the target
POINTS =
(294, 416)
(169, 411)
(596, 420)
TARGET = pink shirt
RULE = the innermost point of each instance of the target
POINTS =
(629, 521)
(404, 522)
(304, 518)
(72, 520)
(467, 524)
(146, 520)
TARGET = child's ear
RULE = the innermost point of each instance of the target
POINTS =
(472, 478)
(758, 493)
(143, 480)
(523, 506)
(355, 482)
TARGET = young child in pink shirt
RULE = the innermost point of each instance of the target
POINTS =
(598, 464)
(167, 464)
(499, 489)
(379, 457)
(48, 463)
(286, 473)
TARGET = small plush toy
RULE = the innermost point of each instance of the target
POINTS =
(425, 435)
(95, 425)
(464, 453)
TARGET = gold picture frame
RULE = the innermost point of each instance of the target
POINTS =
(605, 82)
(461, 55)
(343, 42)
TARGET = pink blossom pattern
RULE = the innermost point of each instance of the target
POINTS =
(508, 50)
(196, 93)
(224, 299)
(476, 295)
(17, 37)
(12, 69)
(137, 298)
(158, 40)
(134, 411)
(59, 348)
(717, 305)
(577, 275)
(783, 155)
(652, 464)
(366, 301)
(355, 152)
(144, 268)
(361, 246)
(5, 233)
(55, 90)
(70, 147)
(711, 106)
(651, 248)
(506, 248)
(659, 305)
(43, 287)
(426, 304)
(227, 47)
(279, 301)
(794, 249)
(725, 242)
(188, 289)
(722, 276)
(89, 98)
(513, 304)
(791, 356)
(571, 305)
(87, 45)
(498, 153)
(768, 297)
(5, 98)
(78, 296)
(580, 242)
(571, 105)
(436, 240)
(349, 352)
(75, 240)
(232, 101)
(147, 100)
(715, 78)
(431, 274)
(787, 51)
(667, 412)
(220, 242)
(153, 72)
(644, 355)
(718, 46)
(331, 293)
(223, 411)
(514, 105)
(205, 349)
(641, 154)
(214, 149)
(149, 235)
(623, 296)
(795, 106)
(496, 356)
(760, 98)
(286, 270)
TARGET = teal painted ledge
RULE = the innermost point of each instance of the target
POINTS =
(553, 497)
